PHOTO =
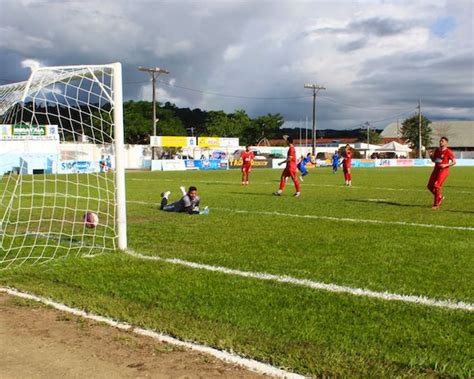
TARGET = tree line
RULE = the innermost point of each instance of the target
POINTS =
(174, 121)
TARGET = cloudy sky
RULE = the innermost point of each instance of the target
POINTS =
(375, 58)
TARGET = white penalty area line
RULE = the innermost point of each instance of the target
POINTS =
(225, 356)
(335, 288)
(329, 218)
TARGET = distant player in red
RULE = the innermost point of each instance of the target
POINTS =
(290, 169)
(347, 165)
(443, 158)
(247, 156)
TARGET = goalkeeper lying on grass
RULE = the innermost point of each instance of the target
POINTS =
(189, 203)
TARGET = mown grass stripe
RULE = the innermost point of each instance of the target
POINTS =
(250, 364)
(329, 218)
(421, 300)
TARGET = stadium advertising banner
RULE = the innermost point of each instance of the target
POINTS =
(405, 162)
(402, 162)
(172, 141)
(212, 142)
(256, 163)
(385, 163)
(78, 167)
(276, 162)
(464, 162)
(206, 164)
(422, 162)
(18, 132)
(363, 162)
(321, 163)
(173, 165)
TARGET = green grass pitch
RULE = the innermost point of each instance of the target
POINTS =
(380, 235)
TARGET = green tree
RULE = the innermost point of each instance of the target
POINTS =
(220, 124)
(239, 121)
(262, 127)
(216, 124)
(168, 124)
(374, 137)
(410, 131)
(137, 119)
(138, 122)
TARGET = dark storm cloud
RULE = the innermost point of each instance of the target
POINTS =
(380, 27)
(374, 59)
(353, 45)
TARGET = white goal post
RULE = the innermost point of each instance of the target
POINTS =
(61, 158)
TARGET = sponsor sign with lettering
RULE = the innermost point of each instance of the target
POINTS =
(207, 164)
(78, 167)
(172, 141)
(213, 142)
(260, 163)
(16, 132)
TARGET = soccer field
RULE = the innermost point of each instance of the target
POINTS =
(366, 281)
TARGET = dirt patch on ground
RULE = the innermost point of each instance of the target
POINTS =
(40, 342)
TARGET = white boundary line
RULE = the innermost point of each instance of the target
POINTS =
(330, 218)
(356, 220)
(225, 356)
(421, 300)
(306, 185)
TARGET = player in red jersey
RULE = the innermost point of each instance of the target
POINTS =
(347, 165)
(247, 156)
(290, 169)
(443, 158)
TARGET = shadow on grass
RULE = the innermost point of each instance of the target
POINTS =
(394, 203)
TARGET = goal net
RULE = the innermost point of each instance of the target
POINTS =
(62, 190)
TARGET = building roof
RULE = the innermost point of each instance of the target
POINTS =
(319, 141)
(459, 133)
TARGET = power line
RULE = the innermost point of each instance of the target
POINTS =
(328, 98)
(323, 98)
(392, 117)
(234, 96)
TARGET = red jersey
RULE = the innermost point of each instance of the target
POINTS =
(442, 156)
(247, 157)
(291, 158)
(348, 159)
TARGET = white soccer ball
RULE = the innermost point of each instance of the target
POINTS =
(91, 220)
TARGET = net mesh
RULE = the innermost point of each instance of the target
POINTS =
(56, 154)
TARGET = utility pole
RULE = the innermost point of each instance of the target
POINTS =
(154, 72)
(419, 128)
(368, 139)
(316, 88)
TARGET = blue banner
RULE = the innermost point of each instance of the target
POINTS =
(363, 163)
(206, 164)
(78, 167)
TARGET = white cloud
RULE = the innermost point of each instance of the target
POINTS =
(162, 96)
(31, 64)
(233, 52)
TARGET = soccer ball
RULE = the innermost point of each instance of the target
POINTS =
(91, 220)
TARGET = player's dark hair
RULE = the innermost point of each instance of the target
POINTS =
(445, 138)
(192, 188)
(289, 139)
